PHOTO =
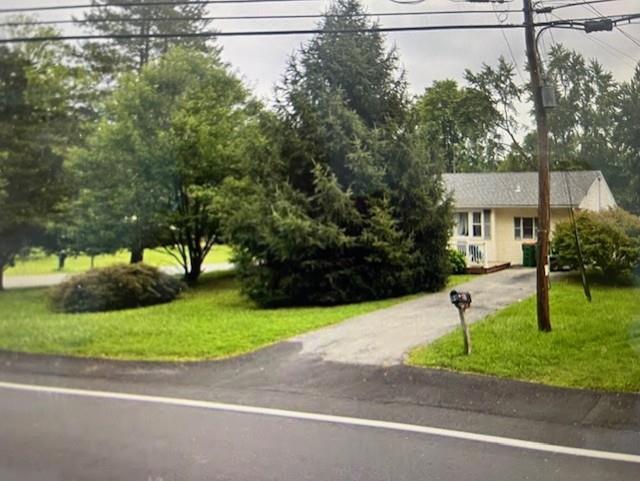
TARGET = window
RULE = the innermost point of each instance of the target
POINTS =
(474, 224)
(525, 227)
(463, 224)
(477, 224)
(487, 224)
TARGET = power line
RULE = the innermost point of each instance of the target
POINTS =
(598, 12)
(252, 17)
(571, 24)
(248, 33)
(506, 39)
(577, 4)
(138, 4)
(606, 45)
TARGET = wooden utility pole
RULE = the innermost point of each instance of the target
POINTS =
(544, 214)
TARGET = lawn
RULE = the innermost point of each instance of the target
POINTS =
(210, 321)
(593, 345)
(44, 264)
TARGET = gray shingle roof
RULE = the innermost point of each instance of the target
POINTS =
(516, 189)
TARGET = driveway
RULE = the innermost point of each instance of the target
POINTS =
(385, 336)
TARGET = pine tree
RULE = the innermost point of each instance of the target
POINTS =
(347, 208)
(143, 19)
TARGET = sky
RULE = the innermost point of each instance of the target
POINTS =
(426, 56)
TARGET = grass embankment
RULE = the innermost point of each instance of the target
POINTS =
(210, 321)
(43, 264)
(593, 345)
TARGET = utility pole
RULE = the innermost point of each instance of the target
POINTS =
(544, 213)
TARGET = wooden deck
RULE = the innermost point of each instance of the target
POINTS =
(492, 267)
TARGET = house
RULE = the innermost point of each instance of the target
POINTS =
(495, 213)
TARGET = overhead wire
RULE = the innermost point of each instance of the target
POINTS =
(254, 17)
(599, 13)
(138, 4)
(611, 49)
(506, 39)
(577, 4)
(248, 33)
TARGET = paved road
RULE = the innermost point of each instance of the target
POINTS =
(46, 280)
(57, 437)
(383, 337)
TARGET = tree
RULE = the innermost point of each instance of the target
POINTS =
(345, 207)
(152, 168)
(461, 126)
(142, 18)
(582, 125)
(40, 110)
(627, 139)
(498, 83)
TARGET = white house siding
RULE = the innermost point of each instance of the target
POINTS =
(599, 197)
(508, 247)
(487, 246)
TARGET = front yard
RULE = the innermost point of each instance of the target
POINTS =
(593, 345)
(210, 321)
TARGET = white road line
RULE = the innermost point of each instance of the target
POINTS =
(326, 418)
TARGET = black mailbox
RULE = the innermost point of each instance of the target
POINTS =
(462, 300)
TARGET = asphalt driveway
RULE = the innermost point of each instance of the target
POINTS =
(385, 336)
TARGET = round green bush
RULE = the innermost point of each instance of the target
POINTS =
(606, 246)
(457, 262)
(117, 287)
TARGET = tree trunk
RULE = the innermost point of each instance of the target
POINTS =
(2, 277)
(62, 257)
(137, 255)
(192, 276)
(93, 261)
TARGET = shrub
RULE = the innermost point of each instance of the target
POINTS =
(116, 287)
(605, 245)
(626, 221)
(457, 262)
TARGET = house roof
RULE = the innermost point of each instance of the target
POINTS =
(517, 189)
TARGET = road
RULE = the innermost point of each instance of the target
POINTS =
(59, 437)
(76, 419)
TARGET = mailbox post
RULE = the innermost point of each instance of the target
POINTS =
(462, 301)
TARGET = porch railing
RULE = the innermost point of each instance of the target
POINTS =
(475, 252)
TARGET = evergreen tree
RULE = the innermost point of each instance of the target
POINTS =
(347, 206)
(142, 18)
(627, 139)
(40, 110)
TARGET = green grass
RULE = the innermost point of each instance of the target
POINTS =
(210, 321)
(458, 279)
(593, 345)
(42, 264)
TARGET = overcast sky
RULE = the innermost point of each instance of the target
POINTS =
(426, 56)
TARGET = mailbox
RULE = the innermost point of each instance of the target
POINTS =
(462, 300)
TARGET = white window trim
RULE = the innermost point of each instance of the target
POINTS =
(470, 224)
(518, 226)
